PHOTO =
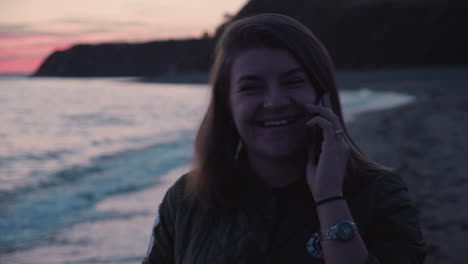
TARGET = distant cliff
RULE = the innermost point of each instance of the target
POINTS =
(358, 34)
(122, 59)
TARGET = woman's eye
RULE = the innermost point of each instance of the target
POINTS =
(295, 82)
(246, 88)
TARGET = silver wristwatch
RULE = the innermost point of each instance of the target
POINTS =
(343, 230)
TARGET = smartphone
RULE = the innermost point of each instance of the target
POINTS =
(315, 138)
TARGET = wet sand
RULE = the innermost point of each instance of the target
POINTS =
(427, 144)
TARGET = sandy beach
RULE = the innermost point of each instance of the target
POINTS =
(425, 142)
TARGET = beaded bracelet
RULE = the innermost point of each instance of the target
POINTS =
(333, 198)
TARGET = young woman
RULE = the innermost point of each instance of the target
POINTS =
(276, 176)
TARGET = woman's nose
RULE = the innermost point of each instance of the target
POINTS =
(276, 98)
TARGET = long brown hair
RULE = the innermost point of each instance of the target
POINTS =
(214, 177)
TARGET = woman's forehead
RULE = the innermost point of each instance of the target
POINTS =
(264, 61)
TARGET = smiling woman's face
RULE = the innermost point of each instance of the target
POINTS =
(268, 91)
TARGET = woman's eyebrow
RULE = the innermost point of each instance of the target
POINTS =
(256, 78)
(248, 78)
(292, 71)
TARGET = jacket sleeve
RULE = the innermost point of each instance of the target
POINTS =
(161, 247)
(395, 235)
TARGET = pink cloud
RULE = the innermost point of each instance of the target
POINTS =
(24, 54)
(25, 66)
(22, 48)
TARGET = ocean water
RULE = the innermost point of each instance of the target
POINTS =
(84, 163)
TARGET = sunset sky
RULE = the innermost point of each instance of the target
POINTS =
(32, 29)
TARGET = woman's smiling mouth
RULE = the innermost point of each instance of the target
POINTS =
(279, 121)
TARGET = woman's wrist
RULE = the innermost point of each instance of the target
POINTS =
(325, 195)
(329, 199)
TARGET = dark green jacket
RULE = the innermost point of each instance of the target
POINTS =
(274, 225)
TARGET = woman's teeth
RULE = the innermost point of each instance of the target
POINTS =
(276, 123)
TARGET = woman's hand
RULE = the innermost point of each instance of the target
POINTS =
(326, 179)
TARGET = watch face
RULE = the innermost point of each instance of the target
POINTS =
(345, 231)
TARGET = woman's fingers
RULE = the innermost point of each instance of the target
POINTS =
(326, 101)
(326, 119)
(325, 113)
(327, 127)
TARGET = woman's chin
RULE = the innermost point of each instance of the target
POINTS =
(280, 152)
